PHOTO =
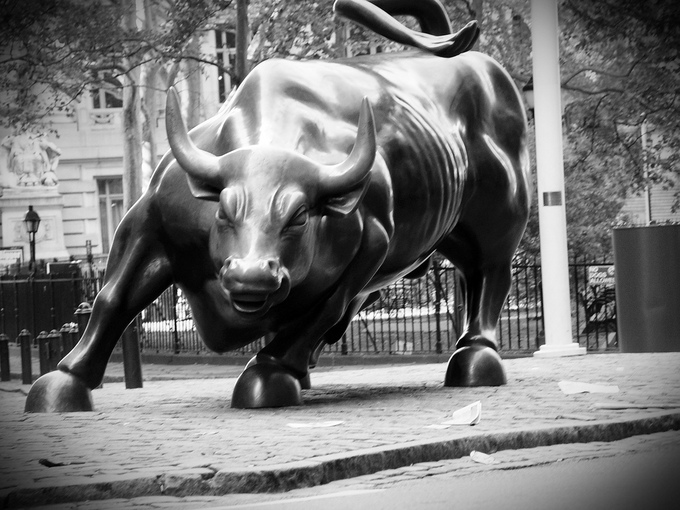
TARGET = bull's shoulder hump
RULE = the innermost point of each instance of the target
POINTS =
(320, 75)
(482, 69)
(323, 85)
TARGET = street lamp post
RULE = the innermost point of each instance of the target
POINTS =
(32, 222)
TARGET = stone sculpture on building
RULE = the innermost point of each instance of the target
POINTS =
(29, 160)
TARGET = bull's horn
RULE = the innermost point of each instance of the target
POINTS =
(198, 163)
(349, 173)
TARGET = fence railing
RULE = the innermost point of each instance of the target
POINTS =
(43, 302)
(424, 315)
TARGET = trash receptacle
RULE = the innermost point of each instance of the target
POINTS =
(648, 288)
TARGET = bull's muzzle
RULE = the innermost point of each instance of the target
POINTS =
(253, 286)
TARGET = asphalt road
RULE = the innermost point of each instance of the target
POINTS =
(643, 479)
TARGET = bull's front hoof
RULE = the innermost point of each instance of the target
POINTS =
(266, 385)
(58, 392)
(475, 365)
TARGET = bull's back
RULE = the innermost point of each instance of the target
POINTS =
(452, 132)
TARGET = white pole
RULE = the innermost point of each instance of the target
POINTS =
(550, 175)
(648, 201)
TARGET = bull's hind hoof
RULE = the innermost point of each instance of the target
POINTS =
(475, 365)
(58, 392)
(266, 385)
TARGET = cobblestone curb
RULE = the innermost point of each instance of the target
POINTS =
(328, 468)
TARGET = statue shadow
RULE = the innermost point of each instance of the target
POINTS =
(339, 394)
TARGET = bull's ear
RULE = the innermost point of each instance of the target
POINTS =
(202, 190)
(347, 203)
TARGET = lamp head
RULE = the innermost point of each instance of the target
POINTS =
(31, 220)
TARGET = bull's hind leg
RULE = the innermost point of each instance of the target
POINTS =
(137, 273)
(475, 361)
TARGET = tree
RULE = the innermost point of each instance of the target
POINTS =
(53, 51)
(622, 68)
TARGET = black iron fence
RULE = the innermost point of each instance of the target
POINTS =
(419, 316)
(43, 302)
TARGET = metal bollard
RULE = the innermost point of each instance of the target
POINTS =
(82, 314)
(43, 352)
(4, 358)
(66, 340)
(132, 357)
(24, 340)
(54, 348)
(73, 333)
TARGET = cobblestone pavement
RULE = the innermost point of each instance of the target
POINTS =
(180, 438)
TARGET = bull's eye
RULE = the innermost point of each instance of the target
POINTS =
(299, 219)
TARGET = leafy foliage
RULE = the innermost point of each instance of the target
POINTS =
(51, 51)
(621, 71)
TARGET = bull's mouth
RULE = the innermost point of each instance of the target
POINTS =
(249, 303)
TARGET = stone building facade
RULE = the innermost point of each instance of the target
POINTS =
(80, 201)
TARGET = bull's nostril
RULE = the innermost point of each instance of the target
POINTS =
(273, 266)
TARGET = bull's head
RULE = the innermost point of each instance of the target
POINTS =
(270, 204)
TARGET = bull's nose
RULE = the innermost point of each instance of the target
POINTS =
(251, 276)
(271, 266)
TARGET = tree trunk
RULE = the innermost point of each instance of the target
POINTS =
(150, 81)
(193, 80)
(149, 109)
(478, 7)
(242, 37)
(341, 39)
(132, 128)
(132, 140)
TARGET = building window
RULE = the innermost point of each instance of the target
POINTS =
(225, 49)
(109, 94)
(110, 191)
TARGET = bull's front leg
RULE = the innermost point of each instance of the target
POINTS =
(137, 272)
(272, 379)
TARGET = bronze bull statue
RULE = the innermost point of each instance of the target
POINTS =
(317, 184)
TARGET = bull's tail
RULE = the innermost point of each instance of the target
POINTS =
(436, 36)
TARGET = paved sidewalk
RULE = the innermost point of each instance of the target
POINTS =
(180, 437)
